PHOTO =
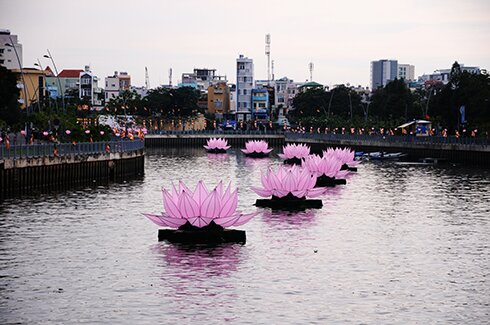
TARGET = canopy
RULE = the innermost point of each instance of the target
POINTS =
(412, 122)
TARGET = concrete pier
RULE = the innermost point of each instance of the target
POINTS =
(25, 175)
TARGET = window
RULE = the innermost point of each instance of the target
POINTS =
(244, 91)
(1, 61)
(1, 50)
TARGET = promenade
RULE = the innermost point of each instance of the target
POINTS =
(27, 168)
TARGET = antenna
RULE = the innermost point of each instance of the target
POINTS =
(170, 77)
(272, 67)
(268, 54)
(311, 66)
(147, 79)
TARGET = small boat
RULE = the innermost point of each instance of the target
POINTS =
(384, 155)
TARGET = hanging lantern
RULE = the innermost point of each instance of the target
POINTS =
(68, 132)
(87, 131)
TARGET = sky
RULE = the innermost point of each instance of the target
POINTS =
(341, 38)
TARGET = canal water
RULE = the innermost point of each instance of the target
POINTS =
(399, 244)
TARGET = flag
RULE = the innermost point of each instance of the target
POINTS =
(462, 112)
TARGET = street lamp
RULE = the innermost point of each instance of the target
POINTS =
(49, 56)
(21, 73)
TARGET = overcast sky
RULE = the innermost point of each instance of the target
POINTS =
(339, 37)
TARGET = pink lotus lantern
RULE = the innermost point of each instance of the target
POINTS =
(200, 211)
(289, 187)
(23, 132)
(68, 132)
(101, 132)
(217, 145)
(327, 169)
(256, 148)
(87, 131)
(45, 133)
(346, 156)
(293, 153)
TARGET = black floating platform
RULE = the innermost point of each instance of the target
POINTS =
(293, 161)
(346, 167)
(325, 181)
(257, 155)
(202, 237)
(289, 205)
(216, 150)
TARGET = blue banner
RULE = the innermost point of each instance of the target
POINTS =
(462, 112)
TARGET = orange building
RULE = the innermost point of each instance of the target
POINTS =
(219, 98)
(34, 85)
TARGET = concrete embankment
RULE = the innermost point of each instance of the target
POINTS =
(173, 140)
(25, 175)
(471, 154)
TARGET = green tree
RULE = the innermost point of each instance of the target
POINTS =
(10, 112)
(468, 89)
(394, 101)
(173, 103)
(128, 102)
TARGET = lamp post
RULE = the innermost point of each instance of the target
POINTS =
(11, 44)
(49, 56)
(38, 64)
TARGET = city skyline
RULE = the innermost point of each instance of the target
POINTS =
(339, 38)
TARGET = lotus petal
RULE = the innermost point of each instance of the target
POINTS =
(200, 193)
(315, 192)
(236, 219)
(211, 206)
(187, 206)
(262, 192)
(229, 204)
(164, 220)
(200, 221)
(170, 206)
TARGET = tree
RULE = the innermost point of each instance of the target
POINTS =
(10, 112)
(468, 89)
(173, 103)
(394, 101)
(129, 102)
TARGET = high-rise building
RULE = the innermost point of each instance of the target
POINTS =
(244, 86)
(382, 72)
(406, 72)
(10, 48)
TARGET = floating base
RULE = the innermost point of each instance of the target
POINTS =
(216, 150)
(346, 167)
(288, 203)
(293, 161)
(325, 181)
(257, 155)
(202, 236)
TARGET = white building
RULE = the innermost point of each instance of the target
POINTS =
(285, 90)
(116, 84)
(444, 75)
(406, 72)
(244, 86)
(88, 88)
(8, 57)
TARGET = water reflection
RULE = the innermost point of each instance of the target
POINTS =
(193, 262)
(289, 220)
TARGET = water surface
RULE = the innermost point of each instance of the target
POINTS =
(396, 245)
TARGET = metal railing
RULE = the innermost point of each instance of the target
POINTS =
(218, 132)
(67, 149)
(390, 138)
